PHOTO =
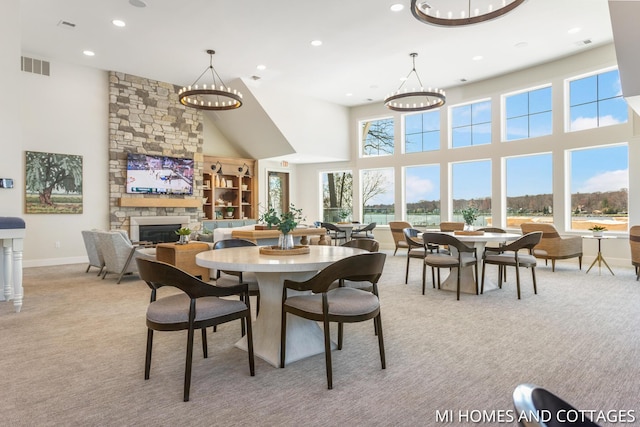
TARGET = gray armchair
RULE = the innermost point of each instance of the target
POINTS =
(119, 253)
(91, 245)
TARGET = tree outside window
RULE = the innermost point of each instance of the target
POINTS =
(377, 137)
(377, 196)
(337, 196)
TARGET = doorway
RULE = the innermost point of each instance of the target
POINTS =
(278, 191)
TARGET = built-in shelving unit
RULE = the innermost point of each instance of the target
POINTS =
(229, 189)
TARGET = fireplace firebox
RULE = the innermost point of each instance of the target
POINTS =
(164, 233)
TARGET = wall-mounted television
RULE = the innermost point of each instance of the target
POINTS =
(150, 174)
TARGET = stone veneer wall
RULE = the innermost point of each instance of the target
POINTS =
(145, 116)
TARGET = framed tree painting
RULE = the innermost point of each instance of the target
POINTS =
(53, 183)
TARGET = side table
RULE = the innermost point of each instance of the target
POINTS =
(599, 258)
(183, 257)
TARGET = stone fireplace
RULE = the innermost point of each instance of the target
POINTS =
(157, 227)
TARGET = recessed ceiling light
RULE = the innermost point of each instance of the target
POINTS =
(88, 52)
(137, 3)
(348, 94)
(316, 43)
(261, 67)
(396, 7)
(574, 30)
(521, 44)
(478, 58)
(118, 23)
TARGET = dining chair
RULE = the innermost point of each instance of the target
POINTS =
(449, 226)
(538, 407)
(634, 243)
(553, 246)
(396, 228)
(454, 259)
(365, 232)
(341, 305)
(198, 306)
(508, 256)
(369, 245)
(496, 230)
(334, 232)
(225, 278)
(416, 248)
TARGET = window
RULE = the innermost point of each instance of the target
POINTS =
(599, 187)
(596, 101)
(528, 114)
(529, 182)
(422, 132)
(471, 124)
(422, 194)
(471, 186)
(337, 196)
(377, 196)
(377, 137)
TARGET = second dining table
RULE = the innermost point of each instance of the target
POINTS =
(304, 337)
(479, 241)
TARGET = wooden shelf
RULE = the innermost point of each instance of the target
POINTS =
(148, 202)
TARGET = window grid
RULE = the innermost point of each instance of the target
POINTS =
(473, 127)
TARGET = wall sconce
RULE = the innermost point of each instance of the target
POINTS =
(244, 170)
(217, 168)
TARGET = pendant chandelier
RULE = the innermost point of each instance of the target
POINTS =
(417, 99)
(217, 96)
(453, 13)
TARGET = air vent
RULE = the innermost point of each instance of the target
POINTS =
(255, 77)
(66, 24)
(35, 66)
(585, 42)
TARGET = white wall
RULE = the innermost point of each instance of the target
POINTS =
(554, 73)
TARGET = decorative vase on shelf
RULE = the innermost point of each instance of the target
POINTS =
(285, 241)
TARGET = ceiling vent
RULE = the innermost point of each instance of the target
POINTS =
(35, 66)
(66, 24)
(585, 42)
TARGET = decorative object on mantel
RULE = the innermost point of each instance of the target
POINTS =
(438, 12)
(184, 234)
(598, 230)
(277, 250)
(470, 214)
(218, 96)
(416, 99)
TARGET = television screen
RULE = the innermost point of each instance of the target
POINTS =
(149, 174)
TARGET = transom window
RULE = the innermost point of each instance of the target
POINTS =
(377, 137)
(528, 114)
(422, 132)
(596, 101)
(471, 124)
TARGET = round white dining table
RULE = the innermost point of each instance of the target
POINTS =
(304, 337)
(479, 241)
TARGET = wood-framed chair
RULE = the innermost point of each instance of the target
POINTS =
(341, 305)
(334, 232)
(399, 240)
(553, 246)
(365, 232)
(449, 226)
(634, 242)
(437, 260)
(416, 248)
(368, 245)
(198, 306)
(509, 256)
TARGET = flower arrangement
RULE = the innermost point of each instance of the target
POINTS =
(183, 232)
(598, 228)
(285, 222)
(470, 214)
(269, 217)
(344, 214)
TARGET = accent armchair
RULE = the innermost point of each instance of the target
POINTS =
(553, 246)
(634, 242)
(396, 228)
(120, 254)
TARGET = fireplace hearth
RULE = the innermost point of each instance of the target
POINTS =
(157, 229)
(159, 233)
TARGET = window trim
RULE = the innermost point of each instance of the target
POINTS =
(503, 112)
(450, 122)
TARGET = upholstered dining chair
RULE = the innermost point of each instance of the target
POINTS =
(368, 245)
(509, 256)
(449, 226)
(119, 253)
(334, 232)
(96, 259)
(538, 407)
(365, 232)
(198, 306)
(634, 242)
(399, 240)
(227, 279)
(341, 305)
(416, 248)
(553, 246)
(464, 256)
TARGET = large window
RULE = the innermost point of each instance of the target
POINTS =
(422, 194)
(599, 187)
(337, 196)
(529, 182)
(528, 114)
(377, 196)
(471, 186)
(471, 124)
(596, 101)
(377, 137)
(422, 132)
